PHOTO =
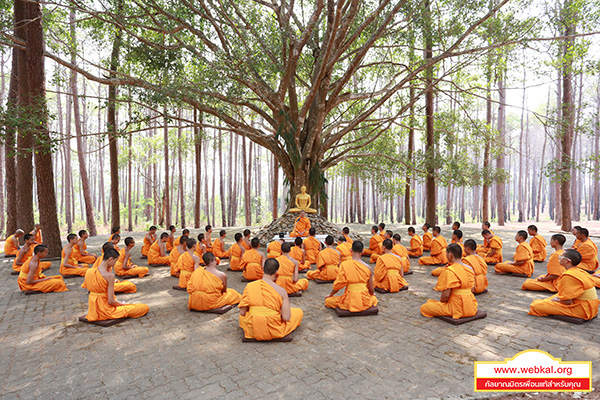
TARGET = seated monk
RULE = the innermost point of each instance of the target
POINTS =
(120, 286)
(537, 243)
(346, 233)
(80, 249)
(253, 261)
(576, 295)
(389, 270)
(298, 254)
(274, 247)
(186, 233)
(474, 260)
(416, 244)
(328, 262)
(208, 243)
(236, 251)
(124, 265)
(115, 239)
(438, 249)
(344, 248)
(26, 252)
(287, 275)
(114, 230)
(374, 249)
(31, 277)
(301, 226)
(187, 263)
(456, 284)
(208, 287)
(37, 234)
(171, 241)
(265, 312)
(68, 263)
(455, 225)
(303, 202)
(12, 245)
(149, 239)
(176, 252)
(494, 248)
(312, 247)
(158, 251)
(218, 245)
(401, 252)
(577, 241)
(200, 247)
(588, 251)
(357, 278)
(523, 258)
(457, 239)
(555, 269)
(102, 304)
(427, 237)
(484, 248)
(246, 241)
(381, 228)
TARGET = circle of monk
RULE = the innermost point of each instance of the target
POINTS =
(303, 202)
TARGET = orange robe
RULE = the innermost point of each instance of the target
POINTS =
(235, 253)
(285, 276)
(461, 302)
(252, 262)
(154, 256)
(76, 254)
(576, 244)
(575, 284)
(185, 266)
(480, 267)
(147, 244)
(538, 244)
(263, 318)
(55, 284)
(328, 262)
(26, 257)
(177, 242)
(298, 254)
(64, 270)
(387, 273)
(120, 286)
(427, 240)
(219, 249)
(302, 224)
(589, 255)
(169, 246)
(416, 244)
(348, 240)
(401, 251)
(274, 249)
(554, 268)
(312, 247)
(354, 276)
(133, 270)
(9, 247)
(483, 249)
(37, 237)
(98, 307)
(459, 241)
(345, 250)
(375, 249)
(495, 243)
(174, 256)
(245, 245)
(523, 253)
(438, 252)
(206, 292)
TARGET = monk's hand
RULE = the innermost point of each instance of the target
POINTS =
(557, 299)
(540, 278)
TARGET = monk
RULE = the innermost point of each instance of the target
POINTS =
(12, 246)
(456, 284)
(401, 252)
(416, 244)
(374, 249)
(208, 244)
(298, 254)
(158, 252)
(186, 233)
(171, 241)
(115, 239)
(427, 237)
(588, 251)
(80, 249)
(124, 265)
(26, 252)
(68, 263)
(201, 246)
(208, 287)
(344, 248)
(548, 281)
(253, 261)
(102, 304)
(301, 226)
(247, 242)
(236, 252)
(265, 312)
(438, 249)
(219, 246)
(274, 248)
(346, 233)
(474, 260)
(455, 225)
(537, 243)
(577, 241)
(457, 236)
(115, 230)
(120, 286)
(484, 248)
(187, 263)
(37, 234)
(31, 277)
(176, 253)
(381, 227)
(389, 270)
(312, 247)
(494, 248)
(357, 279)
(149, 240)
(576, 295)
(523, 258)
(328, 262)
(287, 275)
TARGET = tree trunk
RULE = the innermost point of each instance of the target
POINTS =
(500, 187)
(430, 212)
(10, 149)
(521, 188)
(222, 181)
(596, 208)
(410, 149)
(198, 162)
(167, 200)
(111, 122)
(130, 186)
(275, 194)
(181, 181)
(246, 183)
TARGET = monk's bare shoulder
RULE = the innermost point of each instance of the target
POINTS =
(278, 289)
(366, 265)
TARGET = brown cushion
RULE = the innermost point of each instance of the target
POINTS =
(157, 265)
(408, 273)
(482, 292)
(247, 280)
(297, 294)
(220, 310)
(104, 323)
(71, 276)
(176, 287)
(234, 270)
(480, 314)
(287, 338)
(10, 256)
(303, 271)
(414, 256)
(519, 275)
(321, 281)
(571, 320)
(128, 276)
(13, 272)
(143, 257)
(381, 290)
(345, 313)
(30, 292)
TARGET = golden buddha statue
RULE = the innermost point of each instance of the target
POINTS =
(303, 202)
